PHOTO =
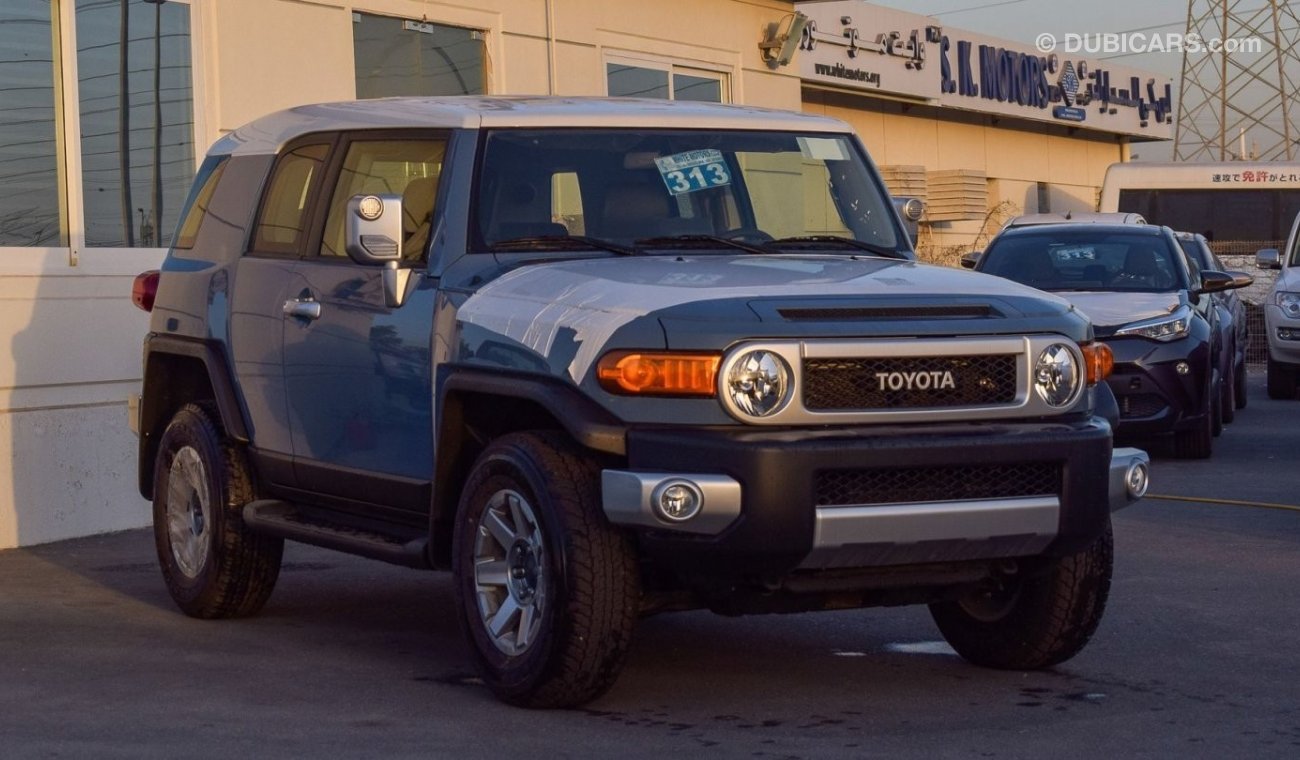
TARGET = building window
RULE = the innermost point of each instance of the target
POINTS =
(401, 57)
(649, 80)
(29, 167)
(135, 92)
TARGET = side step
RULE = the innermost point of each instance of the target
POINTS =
(398, 544)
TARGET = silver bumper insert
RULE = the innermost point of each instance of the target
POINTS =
(626, 498)
(1130, 474)
(936, 521)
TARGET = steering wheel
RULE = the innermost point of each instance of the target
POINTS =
(748, 235)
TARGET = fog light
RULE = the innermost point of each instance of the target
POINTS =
(1286, 333)
(1183, 368)
(1136, 480)
(677, 500)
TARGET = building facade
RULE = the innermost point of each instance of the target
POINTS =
(107, 106)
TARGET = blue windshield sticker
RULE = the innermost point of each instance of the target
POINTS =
(693, 170)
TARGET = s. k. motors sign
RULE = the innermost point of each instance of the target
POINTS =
(849, 44)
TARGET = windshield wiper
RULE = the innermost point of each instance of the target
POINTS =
(712, 240)
(879, 250)
(553, 242)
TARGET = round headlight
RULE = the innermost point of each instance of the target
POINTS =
(1056, 375)
(758, 383)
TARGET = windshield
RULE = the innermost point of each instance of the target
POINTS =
(655, 189)
(1086, 260)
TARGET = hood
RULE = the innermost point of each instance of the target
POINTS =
(648, 283)
(561, 315)
(1111, 310)
(1288, 279)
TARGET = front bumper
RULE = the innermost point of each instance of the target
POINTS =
(1153, 397)
(1285, 351)
(763, 512)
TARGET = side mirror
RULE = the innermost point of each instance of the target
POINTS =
(971, 260)
(911, 210)
(1215, 282)
(1268, 258)
(373, 228)
(1240, 280)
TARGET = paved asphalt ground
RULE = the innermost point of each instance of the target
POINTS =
(1198, 656)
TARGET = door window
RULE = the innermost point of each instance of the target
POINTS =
(407, 168)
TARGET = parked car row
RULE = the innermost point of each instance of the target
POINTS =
(1159, 300)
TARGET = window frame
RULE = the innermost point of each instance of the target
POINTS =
(672, 67)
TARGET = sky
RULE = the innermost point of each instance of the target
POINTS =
(1024, 20)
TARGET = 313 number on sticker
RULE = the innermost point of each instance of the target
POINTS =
(693, 170)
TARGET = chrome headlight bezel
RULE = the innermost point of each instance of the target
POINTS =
(1162, 329)
(1057, 375)
(747, 371)
(1288, 302)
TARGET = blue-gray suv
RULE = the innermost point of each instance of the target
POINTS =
(604, 358)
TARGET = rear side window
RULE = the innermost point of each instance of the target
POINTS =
(282, 224)
(205, 184)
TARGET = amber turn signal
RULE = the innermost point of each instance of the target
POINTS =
(655, 373)
(1099, 361)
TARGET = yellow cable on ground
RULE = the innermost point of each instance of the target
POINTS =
(1227, 502)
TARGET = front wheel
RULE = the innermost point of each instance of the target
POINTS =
(1035, 621)
(1281, 380)
(1228, 398)
(546, 587)
(213, 566)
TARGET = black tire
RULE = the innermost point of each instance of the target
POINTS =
(1281, 380)
(1198, 443)
(1040, 620)
(1239, 386)
(586, 579)
(1228, 399)
(230, 571)
(1216, 410)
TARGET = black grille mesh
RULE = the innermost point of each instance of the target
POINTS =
(851, 384)
(911, 484)
(1141, 405)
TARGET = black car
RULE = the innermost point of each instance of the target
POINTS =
(1148, 305)
(1232, 322)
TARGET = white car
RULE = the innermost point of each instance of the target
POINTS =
(1282, 315)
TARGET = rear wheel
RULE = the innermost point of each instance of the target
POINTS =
(1216, 410)
(1281, 380)
(213, 566)
(1033, 620)
(546, 587)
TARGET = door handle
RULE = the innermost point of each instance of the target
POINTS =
(302, 308)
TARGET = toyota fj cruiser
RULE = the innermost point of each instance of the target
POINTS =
(606, 358)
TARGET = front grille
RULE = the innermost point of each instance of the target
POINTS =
(871, 383)
(925, 484)
(1141, 405)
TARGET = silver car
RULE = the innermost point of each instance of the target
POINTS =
(1282, 315)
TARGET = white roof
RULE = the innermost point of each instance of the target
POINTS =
(269, 133)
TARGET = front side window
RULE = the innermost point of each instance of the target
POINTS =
(406, 168)
(135, 86)
(1087, 261)
(633, 186)
(402, 57)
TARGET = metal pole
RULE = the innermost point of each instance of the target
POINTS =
(124, 125)
(157, 198)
